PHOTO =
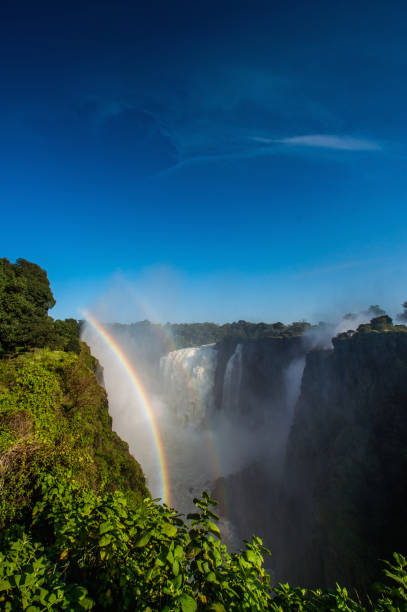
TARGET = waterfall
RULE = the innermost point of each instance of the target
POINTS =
(232, 381)
(293, 377)
(204, 448)
(187, 388)
(188, 382)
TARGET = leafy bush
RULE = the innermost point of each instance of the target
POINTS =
(83, 551)
(391, 597)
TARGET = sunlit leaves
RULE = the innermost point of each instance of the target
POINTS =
(149, 555)
(188, 603)
(100, 554)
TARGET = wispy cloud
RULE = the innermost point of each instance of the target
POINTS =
(324, 141)
(245, 149)
(225, 113)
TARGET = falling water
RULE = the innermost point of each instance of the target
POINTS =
(232, 381)
(202, 444)
(187, 380)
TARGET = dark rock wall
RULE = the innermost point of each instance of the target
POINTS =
(344, 498)
(263, 383)
(250, 498)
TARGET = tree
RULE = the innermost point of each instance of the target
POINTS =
(375, 311)
(25, 297)
(403, 315)
(66, 335)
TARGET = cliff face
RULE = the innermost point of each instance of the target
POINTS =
(328, 495)
(344, 495)
(264, 378)
(269, 383)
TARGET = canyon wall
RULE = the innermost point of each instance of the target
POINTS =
(344, 492)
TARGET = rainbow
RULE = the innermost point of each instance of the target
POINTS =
(141, 394)
(213, 452)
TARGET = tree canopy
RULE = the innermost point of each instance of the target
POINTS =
(25, 298)
(403, 315)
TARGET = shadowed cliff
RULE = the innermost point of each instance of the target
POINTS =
(344, 491)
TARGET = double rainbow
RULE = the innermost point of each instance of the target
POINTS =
(144, 402)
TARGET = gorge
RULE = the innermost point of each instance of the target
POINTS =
(301, 444)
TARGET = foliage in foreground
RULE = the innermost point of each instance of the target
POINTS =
(83, 551)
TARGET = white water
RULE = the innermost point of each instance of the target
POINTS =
(293, 377)
(188, 379)
(181, 410)
(232, 381)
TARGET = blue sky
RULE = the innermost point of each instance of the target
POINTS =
(207, 161)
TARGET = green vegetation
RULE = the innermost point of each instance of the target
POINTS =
(83, 551)
(383, 323)
(86, 551)
(403, 315)
(54, 419)
(154, 338)
(196, 334)
(25, 298)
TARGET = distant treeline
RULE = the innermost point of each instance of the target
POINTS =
(195, 334)
(182, 335)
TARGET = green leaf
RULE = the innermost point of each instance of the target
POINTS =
(143, 540)
(159, 562)
(17, 579)
(175, 568)
(178, 552)
(5, 585)
(105, 540)
(105, 527)
(169, 530)
(252, 557)
(188, 603)
(214, 528)
(177, 581)
(170, 557)
(194, 552)
(87, 603)
(211, 577)
(217, 607)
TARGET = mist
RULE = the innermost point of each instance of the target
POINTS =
(204, 443)
(224, 410)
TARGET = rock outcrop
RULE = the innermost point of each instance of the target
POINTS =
(344, 493)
